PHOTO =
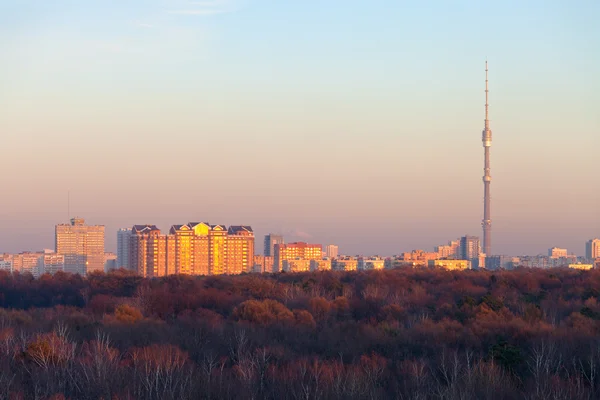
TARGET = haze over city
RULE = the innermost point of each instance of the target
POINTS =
(349, 122)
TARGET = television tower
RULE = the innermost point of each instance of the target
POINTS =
(486, 138)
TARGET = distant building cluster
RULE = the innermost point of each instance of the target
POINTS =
(200, 248)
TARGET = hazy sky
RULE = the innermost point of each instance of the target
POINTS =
(349, 122)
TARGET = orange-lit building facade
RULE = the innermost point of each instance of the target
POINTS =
(196, 248)
(263, 264)
(239, 251)
(345, 264)
(81, 245)
(296, 251)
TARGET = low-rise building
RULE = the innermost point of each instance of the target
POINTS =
(344, 264)
(450, 264)
(296, 265)
(323, 264)
(581, 266)
(369, 263)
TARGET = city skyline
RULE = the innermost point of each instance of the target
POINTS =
(311, 132)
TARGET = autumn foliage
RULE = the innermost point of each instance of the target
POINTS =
(391, 334)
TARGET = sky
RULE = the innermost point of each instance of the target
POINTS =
(349, 122)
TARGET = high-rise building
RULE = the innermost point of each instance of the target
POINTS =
(486, 138)
(270, 241)
(82, 245)
(184, 248)
(201, 247)
(240, 249)
(557, 252)
(123, 239)
(151, 252)
(469, 248)
(196, 248)
(331, 251)
(296, 251)
(592, 249)
(217, 239)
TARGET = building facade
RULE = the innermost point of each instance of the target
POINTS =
(450, 264)
(271, 241)
(82, 246)
(557, 252)
(469, 248)
(331, 251)
(592, 249)
(344, 264)
(123, 239)
(296, 251)
(196, 248)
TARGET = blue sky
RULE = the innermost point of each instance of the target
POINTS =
(349, 122)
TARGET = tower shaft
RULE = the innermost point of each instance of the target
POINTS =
(487, 178)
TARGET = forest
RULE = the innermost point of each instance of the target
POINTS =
(389, 334)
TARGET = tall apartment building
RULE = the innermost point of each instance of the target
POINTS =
(240, 249)
(296, 251)
(196, 248)
(184, 248)
(148, 251)
(82, 246)
(123, 239)
(201, 247)
(469, 248)
(270, 241)
(592, 249)
(557, 252)
(331, 251)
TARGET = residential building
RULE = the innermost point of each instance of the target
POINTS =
(331, 251)
(240, 249)
(196, 248)
(368, 263)
(50, 262)
(450, 264)
(500, 262)
(263, 264)
(344, 264)
(201, 247)
(184, 248)
(296, 265)
(581, 266)
(270, 241)
(123, 239)
(82, 245)
(6, 262)
(296, 251)
(592, 249)
(418, 257)
(557, 252)
(217, 237)
(469, 248)
(110, 261)
(323, 264)
(148, 251)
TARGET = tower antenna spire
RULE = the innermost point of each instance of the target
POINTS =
(486, 138)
